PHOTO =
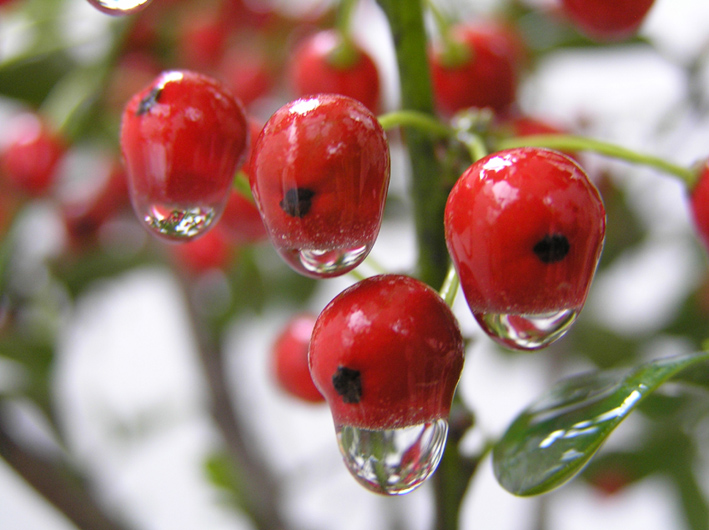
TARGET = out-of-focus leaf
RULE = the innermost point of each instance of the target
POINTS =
(552, 440)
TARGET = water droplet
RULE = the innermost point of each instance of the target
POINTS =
(119, 7)
(177, 223)
(325, 263)
(393, 461)
(527, 332)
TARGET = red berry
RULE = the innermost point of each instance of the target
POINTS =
(699, 204)
(607, 20)
(326, 63)
(247, 73)
(29, 161)
(320, 174)
(290, 359)
(387, 353)
(211, 251)
(525, 228)
(183, 137)
(482, 74)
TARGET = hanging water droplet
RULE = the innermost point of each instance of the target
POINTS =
(325, 263)
(527, 332)
(393, 461)
(177, 223)
(119, 7)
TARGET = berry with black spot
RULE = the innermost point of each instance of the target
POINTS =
(387, 353)
(290, 359)
(525, 228)
(320, 174)
(607, 20)
(183, 137)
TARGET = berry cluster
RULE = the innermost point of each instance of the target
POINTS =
(213, 159)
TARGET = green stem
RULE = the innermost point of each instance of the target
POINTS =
(454, 53)
(241, 184)
(450, 286)
(410, 118)
(579, 143)
(427, 190)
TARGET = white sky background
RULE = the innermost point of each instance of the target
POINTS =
(126, 356)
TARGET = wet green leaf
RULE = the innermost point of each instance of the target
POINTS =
(556, 436)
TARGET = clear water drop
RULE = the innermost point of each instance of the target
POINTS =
(178, 223)
(326, 263)
(393, 461)
(119, 7)
(527, 332)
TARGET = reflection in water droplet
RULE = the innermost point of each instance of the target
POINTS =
(325, 263)
(119, 7)
(177, 224)
(393, 461)
(526, 332)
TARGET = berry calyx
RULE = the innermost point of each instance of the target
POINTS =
(525, 228)
(607, 20)
(290, 359)
(319, 175)
(387, 353)
(182, 137)
(326, 62)
(484, 77)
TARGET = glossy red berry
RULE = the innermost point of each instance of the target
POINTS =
(482, 73)
(525, 228)
(30, 158)
(607, 20)
(326, 63)
(183, 137)
(387, 354)
(290, 359)
(699, 204)
(320, 174)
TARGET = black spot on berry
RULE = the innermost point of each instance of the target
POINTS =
(348, 384)
(552, 248)
(297, 202)
(149, 101)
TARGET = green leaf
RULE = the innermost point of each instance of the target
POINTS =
(556, 436)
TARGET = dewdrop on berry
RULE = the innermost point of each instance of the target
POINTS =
(119, 7)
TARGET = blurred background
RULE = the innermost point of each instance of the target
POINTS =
(100, 369)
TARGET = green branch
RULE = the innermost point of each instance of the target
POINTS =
(578, 143)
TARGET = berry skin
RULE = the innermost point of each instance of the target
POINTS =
(387, 353)
(325, 63)
(29, 161)
(484, 76)
(290, 359)
(607, 20)
(699, 204)
(182, 137)
(319, 175)
(525, 228)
